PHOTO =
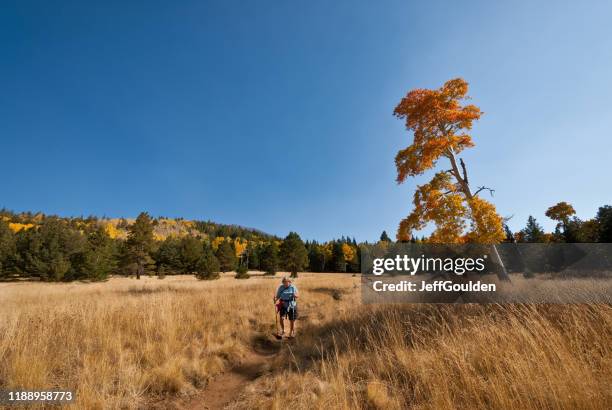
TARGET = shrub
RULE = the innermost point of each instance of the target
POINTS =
(242, 272)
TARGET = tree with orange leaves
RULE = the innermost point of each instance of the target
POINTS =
(440, 121)
(565, 230)
(560, 212)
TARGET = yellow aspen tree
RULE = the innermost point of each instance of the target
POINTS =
(240, 245)
(348, 251)
(216, 242)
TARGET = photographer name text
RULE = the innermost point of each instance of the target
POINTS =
(436, 286)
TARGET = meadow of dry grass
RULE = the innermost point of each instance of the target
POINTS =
(131, 344)
(119, 343)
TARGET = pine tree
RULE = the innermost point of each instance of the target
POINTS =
(227, 256)
(7, 248)
(338, 262)
(253, 256)
(98, 259)
(384, 237)
(316, 258)
(139, 245)
(168, 256)
(509, 234)
(47, 251)
(293, 254)
(533, 232)
(190, 254)
(208, 267)
(268, 259)
(604, 221)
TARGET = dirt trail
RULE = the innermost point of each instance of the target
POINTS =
(226, 387)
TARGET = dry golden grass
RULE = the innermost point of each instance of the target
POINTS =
(122, 342)
(445, 356)
(128, 343)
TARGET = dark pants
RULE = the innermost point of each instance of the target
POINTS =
(289, 313)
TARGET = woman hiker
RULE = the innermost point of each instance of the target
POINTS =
(286, 306)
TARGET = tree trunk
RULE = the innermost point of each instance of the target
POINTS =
(503, 274)
(465, 189)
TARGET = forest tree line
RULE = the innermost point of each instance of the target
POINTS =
(63, 249)
(52, 248)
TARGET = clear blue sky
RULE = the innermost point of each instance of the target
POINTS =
(278, 115)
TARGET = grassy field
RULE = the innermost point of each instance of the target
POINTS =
(136, 344)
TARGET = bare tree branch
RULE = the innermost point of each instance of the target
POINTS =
(484, 188)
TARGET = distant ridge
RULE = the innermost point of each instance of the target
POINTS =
(117, 228)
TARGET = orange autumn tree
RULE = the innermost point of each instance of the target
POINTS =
(560, 212)
(440, 121)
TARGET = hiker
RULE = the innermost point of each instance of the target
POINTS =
(286, 306)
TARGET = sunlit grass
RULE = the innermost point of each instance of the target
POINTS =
(127, 343)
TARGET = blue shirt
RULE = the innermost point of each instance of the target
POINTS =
(286, 293)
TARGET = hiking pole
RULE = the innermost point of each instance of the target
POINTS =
(276, 312)
(293, 315)
(275, 319)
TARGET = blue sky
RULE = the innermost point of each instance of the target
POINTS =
(278, 115)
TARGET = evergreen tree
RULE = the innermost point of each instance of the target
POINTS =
(604, 220)
(227, 256)
(253, 256)
(46, 251)
(7, 248)
(316, 258)
(533, 232)
(168, 256)
(338, 262)
(384, 237)
(208, 267)
(572, 231)
(268, 259)
(98, 259)
(293, 254)
(509, 234)
(190, 254)
(139, 245)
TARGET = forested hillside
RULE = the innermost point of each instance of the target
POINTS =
(53, 248)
